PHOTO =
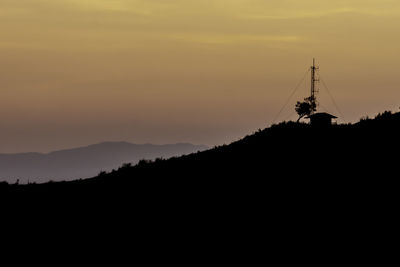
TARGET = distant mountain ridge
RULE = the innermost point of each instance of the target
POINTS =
(81, 162)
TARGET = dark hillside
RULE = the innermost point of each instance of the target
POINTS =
(291, 190)
(294, 155)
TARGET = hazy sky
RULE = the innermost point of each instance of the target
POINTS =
(76, 72)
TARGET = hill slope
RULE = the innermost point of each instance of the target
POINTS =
(291, 191)
(287, 186)
(294, 154)
(83, 162)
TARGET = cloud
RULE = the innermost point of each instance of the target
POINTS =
(219, 39)
(300, 14)
(116, 5)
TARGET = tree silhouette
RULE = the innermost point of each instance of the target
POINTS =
(305, 108)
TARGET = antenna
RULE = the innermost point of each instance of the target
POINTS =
(314, 79)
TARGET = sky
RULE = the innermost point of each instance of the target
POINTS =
(78, 72)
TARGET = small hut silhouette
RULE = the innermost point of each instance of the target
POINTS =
(321, 119)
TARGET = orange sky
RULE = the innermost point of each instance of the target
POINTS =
(76, 72)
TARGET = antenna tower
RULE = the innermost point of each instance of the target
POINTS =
(314, 80)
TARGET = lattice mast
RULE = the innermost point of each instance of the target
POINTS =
(314, 80)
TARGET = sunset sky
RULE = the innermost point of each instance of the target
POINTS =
(78, 72)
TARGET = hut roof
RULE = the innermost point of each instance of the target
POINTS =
(321, 115)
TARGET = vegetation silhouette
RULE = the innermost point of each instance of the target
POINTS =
(305, 108)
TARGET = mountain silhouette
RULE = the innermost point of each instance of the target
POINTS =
(83, 162)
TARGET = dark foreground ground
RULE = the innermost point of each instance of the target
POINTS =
(292, 192)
